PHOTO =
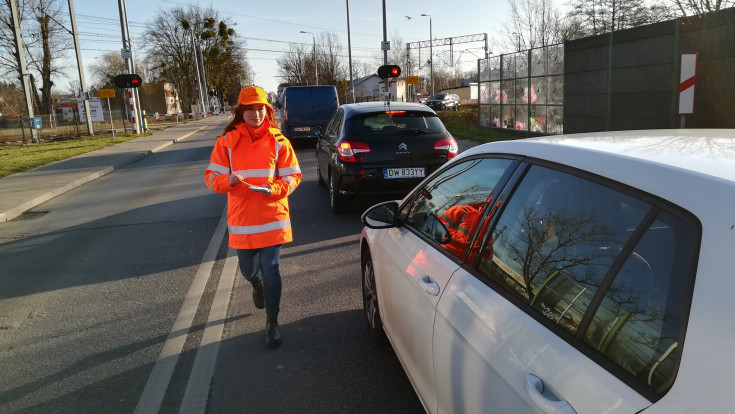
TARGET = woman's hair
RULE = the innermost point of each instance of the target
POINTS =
(239, 109)
(238, 118)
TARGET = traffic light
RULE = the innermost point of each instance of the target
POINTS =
(128, 80)
(389, 71)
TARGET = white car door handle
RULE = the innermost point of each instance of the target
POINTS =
(534, 387)
(429, 285)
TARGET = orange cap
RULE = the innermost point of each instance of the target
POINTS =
(253, 95)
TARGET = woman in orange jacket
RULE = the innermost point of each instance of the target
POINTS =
(257, 167)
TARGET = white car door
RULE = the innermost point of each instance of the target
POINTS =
(412, 276)
(574, 304)
(491, 357)
(417, 260)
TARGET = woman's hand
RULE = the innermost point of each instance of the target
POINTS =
(264, 189)
(233, 179)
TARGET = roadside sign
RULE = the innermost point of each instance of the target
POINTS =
(126, 53)
(687, 79)
(107, 93)
(412, 80)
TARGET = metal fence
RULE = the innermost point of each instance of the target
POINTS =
(68, 124)
(523, 90)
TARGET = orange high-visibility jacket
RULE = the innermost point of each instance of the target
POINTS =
(254, 220)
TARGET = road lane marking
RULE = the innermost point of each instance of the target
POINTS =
(155, 388)
(197, 390)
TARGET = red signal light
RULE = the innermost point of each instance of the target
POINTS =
(389, 71)
(128, 80)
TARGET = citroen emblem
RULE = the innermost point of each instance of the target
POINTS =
(403, 147)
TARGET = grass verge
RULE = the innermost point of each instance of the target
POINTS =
(462, 124)
(17, 157)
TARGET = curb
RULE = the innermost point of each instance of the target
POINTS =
(16, 211)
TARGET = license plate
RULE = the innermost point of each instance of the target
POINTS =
(302, 129)
(389, 173)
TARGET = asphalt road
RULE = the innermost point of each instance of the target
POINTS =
(96, 285)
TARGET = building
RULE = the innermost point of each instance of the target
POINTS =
(368, 88)
(159, 97)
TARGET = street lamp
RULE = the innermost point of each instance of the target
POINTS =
(316, 69)
(431, 53)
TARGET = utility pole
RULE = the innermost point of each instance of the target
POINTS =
(127, 58)
(204, 77)
(431, 53)
(23, 70)
(82, 82)
(385, 37)
(349, 50)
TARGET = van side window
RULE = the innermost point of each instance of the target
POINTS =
(449, 207)
(558, 246)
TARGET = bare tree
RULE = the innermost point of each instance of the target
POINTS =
(43, 43)
(292, 65)
(171, 41)
(593, 17)
(332, 65)
(531, 24)
(51, 48)
(699, 7)
(296, 65)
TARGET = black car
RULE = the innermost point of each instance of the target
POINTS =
(443, 101)
(380, 149)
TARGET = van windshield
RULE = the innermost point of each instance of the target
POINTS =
(403, 123)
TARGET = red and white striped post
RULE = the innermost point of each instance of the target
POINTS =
(133, 112)
(687, 80)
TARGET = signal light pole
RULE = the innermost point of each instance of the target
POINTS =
(431, 54)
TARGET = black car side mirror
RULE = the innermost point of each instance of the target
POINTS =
(381, 216)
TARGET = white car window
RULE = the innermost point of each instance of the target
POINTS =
(560, 247)
(456, 199)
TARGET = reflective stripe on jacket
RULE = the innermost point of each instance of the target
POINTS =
(254, 220)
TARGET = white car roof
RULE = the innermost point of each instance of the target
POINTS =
(689, 167)
(705, 151)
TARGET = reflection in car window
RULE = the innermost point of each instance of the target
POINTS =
(456, 198)
(554, 247)
(638, 324)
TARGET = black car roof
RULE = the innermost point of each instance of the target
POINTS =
(378, 106)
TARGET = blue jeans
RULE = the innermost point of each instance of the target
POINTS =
(258, 265)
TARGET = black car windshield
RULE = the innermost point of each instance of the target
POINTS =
(440, 96)
(394, 123)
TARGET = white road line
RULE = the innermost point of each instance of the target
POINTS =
(197, 390)
(155, 389)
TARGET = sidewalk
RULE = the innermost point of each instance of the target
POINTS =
(22, 191)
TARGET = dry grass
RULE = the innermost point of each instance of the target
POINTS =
(19, 157)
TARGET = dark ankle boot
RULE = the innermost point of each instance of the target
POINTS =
(258, 298)
(272, 336)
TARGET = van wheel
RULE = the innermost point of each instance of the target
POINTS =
(319, 179)
(336, 200)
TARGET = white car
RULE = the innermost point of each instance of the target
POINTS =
(587, 273)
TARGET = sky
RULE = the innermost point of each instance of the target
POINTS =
(268, 27)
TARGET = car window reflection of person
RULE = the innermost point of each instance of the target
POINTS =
(461, 221)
